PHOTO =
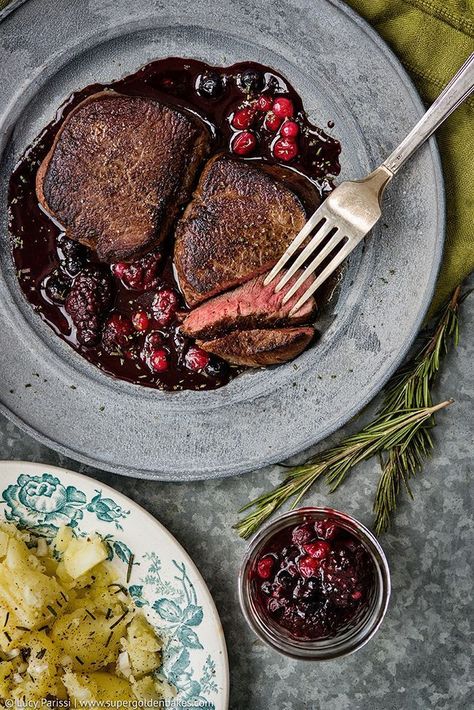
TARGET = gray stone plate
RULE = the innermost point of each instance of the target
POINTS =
(346, 74)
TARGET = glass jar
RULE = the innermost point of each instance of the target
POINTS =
(351, 637)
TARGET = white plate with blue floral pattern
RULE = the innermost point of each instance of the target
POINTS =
(164, 581)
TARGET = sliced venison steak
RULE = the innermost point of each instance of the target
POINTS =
(254, 348)
(249, 306)
(118, 171)
(239, 223)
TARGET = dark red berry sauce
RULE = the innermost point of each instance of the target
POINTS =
(124, 318)
(314, 580)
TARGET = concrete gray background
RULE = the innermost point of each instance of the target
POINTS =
(421, 656)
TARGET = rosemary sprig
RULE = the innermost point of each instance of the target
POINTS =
(399, 435)
(411, 387)
(381, 435)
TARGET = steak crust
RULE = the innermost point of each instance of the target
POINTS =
(255, 348)
(239, 223)
(118, 171)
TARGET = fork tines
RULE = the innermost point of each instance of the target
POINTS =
(323, 227)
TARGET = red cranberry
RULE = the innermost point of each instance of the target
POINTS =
(283, 108)
(243, 117)
(165, 304)
(119, 269)
(318, 549)
(244, 143)
(265, 567)
(308, 566)
(153, 340)
(290, 129)
(301, 534)
(140, 321)
(356, 595)
(196, 359)
(139, 275)
(272, 122)
(159, 360)
(117, 333)
(285, 149)
(326, 529)
(264, 103)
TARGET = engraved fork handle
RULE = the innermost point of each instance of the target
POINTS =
(458, 89)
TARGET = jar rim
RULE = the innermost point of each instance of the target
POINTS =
(340, 645)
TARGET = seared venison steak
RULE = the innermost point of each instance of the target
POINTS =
(118, 171)
(239, 223)
(249, 306)
(254, 348)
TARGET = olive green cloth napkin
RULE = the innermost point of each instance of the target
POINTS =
(432, 38)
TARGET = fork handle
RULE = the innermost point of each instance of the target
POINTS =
(453, 94)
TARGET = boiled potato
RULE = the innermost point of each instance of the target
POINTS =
(11, 530)
(142, 646)
(28, 597)
(4, 538)
(95, 687)
(7, 668)
(41, 676)
(63, 537)
(91, 642)
(66, 622)
(83, 554)
(43, 658)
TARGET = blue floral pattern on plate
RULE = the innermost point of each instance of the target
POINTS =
(167, 594)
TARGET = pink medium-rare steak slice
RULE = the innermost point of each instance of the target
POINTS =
(118, 171)
(249, 306)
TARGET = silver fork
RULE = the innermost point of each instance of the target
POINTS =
(353, 208)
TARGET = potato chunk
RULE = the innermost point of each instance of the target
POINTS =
(63, 538)
(95, 687)
(88, 639)
(67, 621)
(28, 597)
(83, 554)
(143, 647)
